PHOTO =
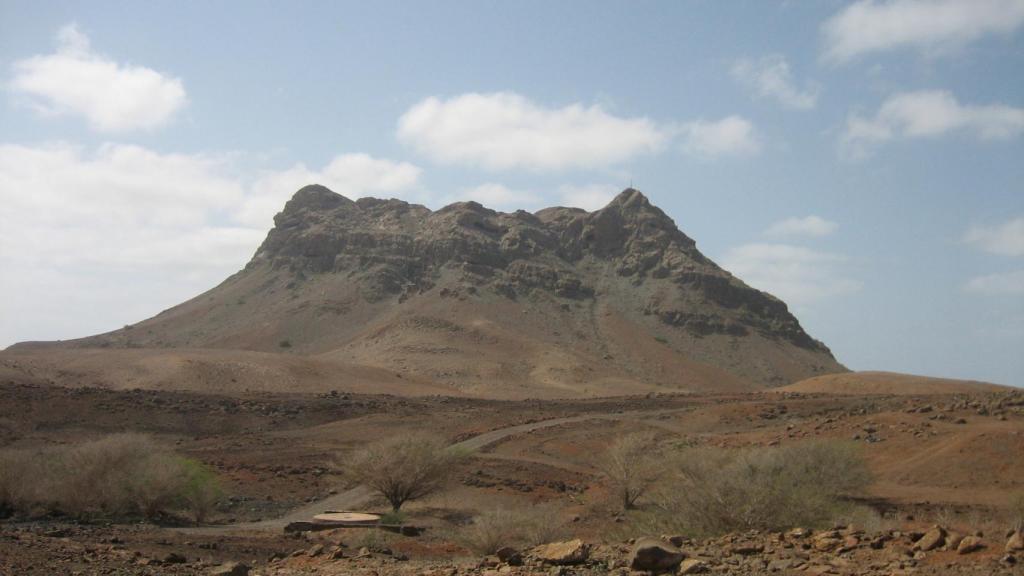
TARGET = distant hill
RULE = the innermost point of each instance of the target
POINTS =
(861, 383)
(560, 302)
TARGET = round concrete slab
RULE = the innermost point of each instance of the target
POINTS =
(346, 518)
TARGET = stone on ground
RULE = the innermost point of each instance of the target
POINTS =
(563, 553)
(654, 555)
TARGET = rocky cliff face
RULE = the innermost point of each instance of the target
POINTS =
(555, 298)
(400, 250)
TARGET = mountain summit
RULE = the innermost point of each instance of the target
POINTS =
(560, 301)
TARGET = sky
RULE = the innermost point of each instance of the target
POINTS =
(863, 161)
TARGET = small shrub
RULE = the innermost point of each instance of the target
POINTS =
(719, 491)
(489, 531)
(661, 339)
(285, 344)
(520, 528)
(395, 517)
(374, 539)
(1017, 512)
(124, 475)
(16, 470)
(403, 468)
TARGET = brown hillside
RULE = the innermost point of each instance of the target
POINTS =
(561, 302)
(861, 383)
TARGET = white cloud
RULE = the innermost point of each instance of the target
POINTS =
(495, 196)
(501, 131)
(814, 226)
(112, 97)
(1006, 239)
(500, 197)
(1004, 283)
(590, 197)
(770, 77)
(800, 276)
(157, 228)
(930, 25)
(730, 136)
(929, 114)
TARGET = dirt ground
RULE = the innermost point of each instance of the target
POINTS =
(951, 459)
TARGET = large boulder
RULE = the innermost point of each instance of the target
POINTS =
(653, 555)
(563, 553)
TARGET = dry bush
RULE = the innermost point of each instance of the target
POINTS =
(373, 539)
(16, 485)
(1017, 512)
(118, 476)
(402, 468)
(719, 491)
(516, 527)
(631, 466)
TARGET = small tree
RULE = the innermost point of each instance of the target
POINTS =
(631, 467)
(200, 490)
(402, 468)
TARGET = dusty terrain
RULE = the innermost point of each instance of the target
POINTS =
(945, 458)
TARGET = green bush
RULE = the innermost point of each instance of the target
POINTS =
(200, 489)
(718, 491)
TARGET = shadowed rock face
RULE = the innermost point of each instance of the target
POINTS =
(402, 249)
(562, 300)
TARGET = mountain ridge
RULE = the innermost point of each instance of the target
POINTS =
(560, 299)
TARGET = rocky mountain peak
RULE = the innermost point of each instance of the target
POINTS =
(315, 197)
(331, 269)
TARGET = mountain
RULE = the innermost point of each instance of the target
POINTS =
(558, 302)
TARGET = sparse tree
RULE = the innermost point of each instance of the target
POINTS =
(631, 467)
(200, 490)
(402, 468)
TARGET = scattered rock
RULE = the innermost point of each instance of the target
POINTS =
(931, 540)
(509, 556)
(1015, 542)
(563, 553)
(692, 566)
(953, 540)
(969, 544)
(652, 555)
(230, 569)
